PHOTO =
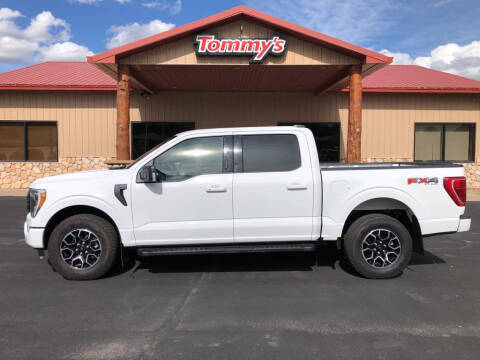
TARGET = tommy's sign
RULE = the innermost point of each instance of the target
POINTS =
(257, 48)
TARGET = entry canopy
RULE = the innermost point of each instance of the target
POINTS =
(240, 49)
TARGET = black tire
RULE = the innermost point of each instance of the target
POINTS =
(369, 225)
(101, 230)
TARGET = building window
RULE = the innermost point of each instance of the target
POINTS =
(327, 139)
(146, 135)
(267, 153)
(28, 141)
(444, 142)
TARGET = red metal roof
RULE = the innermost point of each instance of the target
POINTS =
(57, 76)
(85, 76)
(413, 78)
(367, 55)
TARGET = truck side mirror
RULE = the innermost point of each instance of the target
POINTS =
(148, 174)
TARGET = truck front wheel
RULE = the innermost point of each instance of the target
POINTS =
(378, 246)
(83, 247)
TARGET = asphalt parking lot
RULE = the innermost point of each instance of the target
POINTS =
(292, 306)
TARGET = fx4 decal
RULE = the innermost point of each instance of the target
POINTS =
(426, 181)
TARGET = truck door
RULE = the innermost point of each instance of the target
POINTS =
(193, 203)
(272, 187)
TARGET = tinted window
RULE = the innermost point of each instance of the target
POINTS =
(42, 142)
(327, 139)
(146, 135)
(459, 142)
(191, 158)
(265, 153)
(450, 142)
(12, 142)
(28, 141)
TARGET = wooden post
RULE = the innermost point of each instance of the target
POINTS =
(354, 138)
(123, 113)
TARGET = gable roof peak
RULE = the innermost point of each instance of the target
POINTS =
(367, 56)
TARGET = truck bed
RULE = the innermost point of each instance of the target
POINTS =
(415, 186)
(387, 165)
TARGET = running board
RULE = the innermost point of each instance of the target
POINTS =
(225, 249)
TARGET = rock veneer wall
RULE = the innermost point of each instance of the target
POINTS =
(472, 172)
(19, 175)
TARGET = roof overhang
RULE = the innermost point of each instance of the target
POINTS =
(418, 91)
(58, 88)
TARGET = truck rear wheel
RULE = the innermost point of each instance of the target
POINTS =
(83, 247)
(378, 246)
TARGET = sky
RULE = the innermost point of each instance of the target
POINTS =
(440, 34)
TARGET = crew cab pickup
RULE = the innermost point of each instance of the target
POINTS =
(243, 190)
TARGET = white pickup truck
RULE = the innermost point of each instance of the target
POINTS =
(243, 190)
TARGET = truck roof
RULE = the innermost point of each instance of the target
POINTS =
(250, 128)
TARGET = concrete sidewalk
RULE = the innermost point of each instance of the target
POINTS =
(13, 192)
(472, 194)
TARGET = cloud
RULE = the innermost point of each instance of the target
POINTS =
(6, 13)
(123, 34)
(85, 1)
(14, 51)
(47, 28)
(451, 58)
(441, 3)
(45, 38)
(90, 2)
(351, 20)
(399, 58)
(173, 6)
(66, 51)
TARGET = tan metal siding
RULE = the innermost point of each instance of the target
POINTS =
(389, 120)
(182, 52)
(86, 120)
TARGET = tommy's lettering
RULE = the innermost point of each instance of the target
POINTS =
(257, 48)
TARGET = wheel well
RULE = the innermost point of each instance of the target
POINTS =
(70, 211)
(393, 208)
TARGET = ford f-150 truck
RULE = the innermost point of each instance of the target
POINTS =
(243, 190)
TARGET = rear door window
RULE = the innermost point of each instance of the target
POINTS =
(269, 153)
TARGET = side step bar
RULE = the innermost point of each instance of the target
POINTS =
(226, 249)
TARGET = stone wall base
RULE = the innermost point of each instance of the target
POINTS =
(19, 175)
(472, 172)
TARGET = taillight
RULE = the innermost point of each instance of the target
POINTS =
(457, 189)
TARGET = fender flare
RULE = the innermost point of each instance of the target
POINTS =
(381, 193)
(83, 200)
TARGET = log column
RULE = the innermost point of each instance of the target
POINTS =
(123, 113)
(354, 139)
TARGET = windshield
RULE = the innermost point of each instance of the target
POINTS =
(149, 151)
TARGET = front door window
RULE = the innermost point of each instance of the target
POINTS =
(190, 158)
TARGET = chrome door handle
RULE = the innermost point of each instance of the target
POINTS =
(297, 186)
(216, 188)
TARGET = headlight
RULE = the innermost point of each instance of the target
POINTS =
(35, 200)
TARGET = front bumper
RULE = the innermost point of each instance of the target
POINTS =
(464, 224)
(33, 236)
